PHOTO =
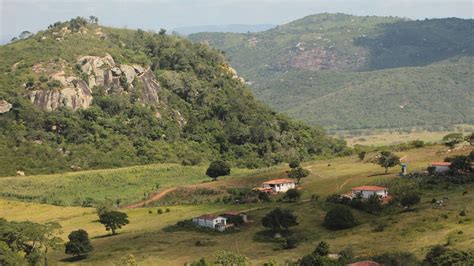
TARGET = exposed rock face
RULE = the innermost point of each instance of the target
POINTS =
(5, 106)
(100, 71)
(77, 97)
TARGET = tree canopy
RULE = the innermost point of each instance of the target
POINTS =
(279, 219)
(113, 220)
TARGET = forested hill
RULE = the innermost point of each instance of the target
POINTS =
(81, 96)
(346, 72)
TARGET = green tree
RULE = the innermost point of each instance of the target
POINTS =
(113, 220)
(338, 218)
(373, 204)
(79, 243)
(452, 139)
(279, 219)
(409, 199)
(294, 163)
(322, 249)
(387, 159)
(298, 173)
(292, 195)
(362, 155)
(31, 240)
(460, 163)
(218, 168)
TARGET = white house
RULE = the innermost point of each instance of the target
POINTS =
(367, 191)
(441, 167)
(279, 185)
(211, 221)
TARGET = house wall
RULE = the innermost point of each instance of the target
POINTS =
(366, 194)
(209, 223)
(441, 169)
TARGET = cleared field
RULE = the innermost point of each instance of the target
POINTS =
(386, 137)
(129, 184)
(149, 239)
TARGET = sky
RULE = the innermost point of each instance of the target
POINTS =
(34, 15)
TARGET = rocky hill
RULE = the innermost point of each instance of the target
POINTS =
(346, 72)
(81, 96)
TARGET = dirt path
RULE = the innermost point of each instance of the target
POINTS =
(154, 197)
(345, 183)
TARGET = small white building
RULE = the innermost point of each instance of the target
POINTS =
(441, 167)
(211, 221)
(367, 191)
(279, 185)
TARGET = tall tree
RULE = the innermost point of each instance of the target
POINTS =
(387, 159)
(218, 168)
(113, 220)
(279, 219)
(79, 243)
(451, 140)
(298, 173)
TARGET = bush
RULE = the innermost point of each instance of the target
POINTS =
(289, 243)
(338, 218)
(322, 249)
(159, 211)
(167, 210)
(396, 258)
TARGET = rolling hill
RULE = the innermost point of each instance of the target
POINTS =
(349, 72)
(88, 97)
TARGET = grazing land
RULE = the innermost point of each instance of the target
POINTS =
(153, 238)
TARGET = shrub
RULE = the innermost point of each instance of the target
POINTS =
(292, 195)
(396, 258)
(167, 210)
(338, 218)
(322, 249)
(289, 242)
(159, 211)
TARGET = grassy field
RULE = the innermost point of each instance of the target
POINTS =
(392, 137)
(128, 184)
(149, 239)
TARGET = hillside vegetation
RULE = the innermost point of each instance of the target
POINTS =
(347, 72)
(81, 96)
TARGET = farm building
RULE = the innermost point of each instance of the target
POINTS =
(367, 191)
(441, 167)
(365, 263)
(277, 185)
(211, 221)
(236, 218)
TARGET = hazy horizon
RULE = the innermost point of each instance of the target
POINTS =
(34, 15)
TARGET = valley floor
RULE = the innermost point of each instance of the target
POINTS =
(153, 240)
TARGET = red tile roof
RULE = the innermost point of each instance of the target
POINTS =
(368, 188)
(365, 263)
(232, 213)
(280, 181)
(441, 164)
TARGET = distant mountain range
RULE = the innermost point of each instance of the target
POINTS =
(234, 28)
(349, 72)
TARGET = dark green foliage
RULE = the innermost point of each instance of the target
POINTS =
(460, 163)
(290, 242)
(292, 195)
(396, 258)
(294, 163)
(361, 155)
(263, 196)
(322, 249)
(221, 118)
(113, 220)
(298, 173)
(375, 72)
(29, 242)
(409, 199)
(470, 139)
(79, 243)
(218, 168)
(440, 255)
(453, 139)
(279, 219)
(338, 218)
(387, 159)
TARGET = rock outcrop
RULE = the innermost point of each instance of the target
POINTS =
(100, 71)
(5, 106)
(75, 94)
